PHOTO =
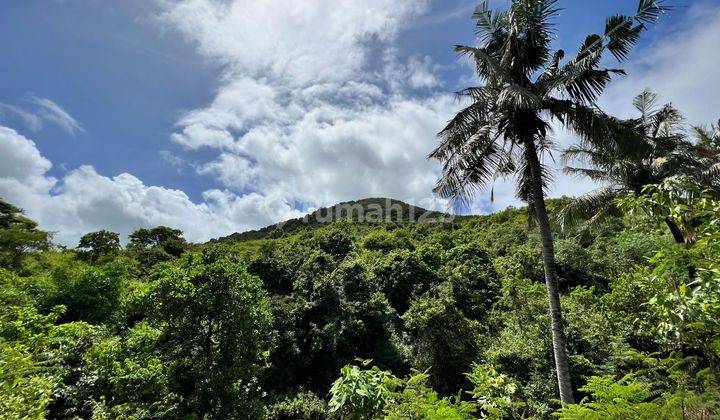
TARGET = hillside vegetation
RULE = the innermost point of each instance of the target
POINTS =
(369, 210)
(360, 320)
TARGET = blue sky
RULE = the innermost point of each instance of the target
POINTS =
(220, 116)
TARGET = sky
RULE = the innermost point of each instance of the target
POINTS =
(216, 116)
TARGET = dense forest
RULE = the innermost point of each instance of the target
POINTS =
(361, 320)
(605, 305)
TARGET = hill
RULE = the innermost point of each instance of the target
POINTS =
(368, 210)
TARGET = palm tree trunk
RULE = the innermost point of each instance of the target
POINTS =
(680, 239)
(548, 255)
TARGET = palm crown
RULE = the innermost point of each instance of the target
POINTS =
(526, 84)
(653, 147)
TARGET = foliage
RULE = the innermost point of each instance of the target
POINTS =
(456, 322)
(302, 406)
(362, 394)
(688, 308)
(213, 316)
(374, 393)
(151, 246)
(94, 245)
(18, 235)
(623, 399)
(496, 393)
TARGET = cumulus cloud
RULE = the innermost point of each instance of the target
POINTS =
(314, 104)
(84, 201)
(300, 42)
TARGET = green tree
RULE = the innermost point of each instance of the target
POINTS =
(214, 317)
(94, 245)
(444, 341)
(504, 130)
(689, 311)
(18, 235)
(151, 246)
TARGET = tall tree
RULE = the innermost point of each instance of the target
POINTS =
(505, 128)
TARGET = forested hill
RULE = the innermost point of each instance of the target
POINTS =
(368, 210)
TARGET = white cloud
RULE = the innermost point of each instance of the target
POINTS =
(84, 201)
(302, 42)
(51, 111)
(30, 120)
(302, 113)
(315, 106)
(172, 159)
(44, 110)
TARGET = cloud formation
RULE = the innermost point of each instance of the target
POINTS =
(52, 112)
(681, 66)
(42, 110)
(84, 201)
(315, 106)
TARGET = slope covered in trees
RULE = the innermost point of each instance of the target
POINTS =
(364, 320)
(369, 210)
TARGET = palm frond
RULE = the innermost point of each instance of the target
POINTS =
(490, 25)
(523, 180)
(469, 169)
(645, 104)
(470, 121)
(666, 122)
(590, 207)
(622, 35)
(707, 136)
(516, 97)
(649, 11)
(488, 67)
(597, 175)
(587, 155)
(593, 126)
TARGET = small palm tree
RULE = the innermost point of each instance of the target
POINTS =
(650, 149)
(506, 126)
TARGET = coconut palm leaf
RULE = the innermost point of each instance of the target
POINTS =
(589, 207)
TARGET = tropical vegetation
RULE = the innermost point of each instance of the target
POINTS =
(600, 306)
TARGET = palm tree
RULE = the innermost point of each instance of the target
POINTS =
(651, 148)
(708, 151)
(505, 128)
